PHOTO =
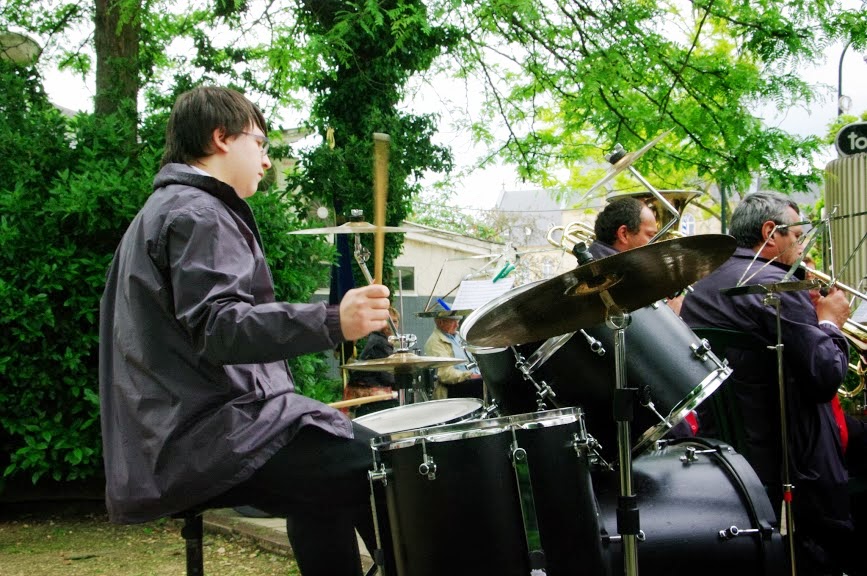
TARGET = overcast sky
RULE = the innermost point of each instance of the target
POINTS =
(481, 189)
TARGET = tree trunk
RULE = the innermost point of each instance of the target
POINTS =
(116, 36)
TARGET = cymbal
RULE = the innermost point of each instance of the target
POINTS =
(444, 313)
(776, 287)
(352, 228)
(403, 362)
(574, 300)
(626, 161)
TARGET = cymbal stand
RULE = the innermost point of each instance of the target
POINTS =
(628, 524)
(401, 342)
(787, 522)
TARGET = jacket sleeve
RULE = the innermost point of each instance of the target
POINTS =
(223, 294)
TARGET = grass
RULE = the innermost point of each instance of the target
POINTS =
(76, 540)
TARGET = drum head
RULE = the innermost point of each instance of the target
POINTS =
(421, 415)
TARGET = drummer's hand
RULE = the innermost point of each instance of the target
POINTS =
(834, 307)
(364, 310)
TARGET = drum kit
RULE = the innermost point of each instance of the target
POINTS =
(572, 467)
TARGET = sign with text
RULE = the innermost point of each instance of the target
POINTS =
(852, 139)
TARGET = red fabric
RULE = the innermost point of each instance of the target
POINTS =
(841, 422)
(692, 421)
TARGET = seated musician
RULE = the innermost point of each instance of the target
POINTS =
(626, 223)
(815, 363)
(452, 381)
(365, 383)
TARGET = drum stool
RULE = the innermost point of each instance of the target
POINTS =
(192, 533)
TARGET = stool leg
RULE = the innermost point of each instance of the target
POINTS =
(192, 533)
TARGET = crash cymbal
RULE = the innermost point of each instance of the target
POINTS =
(351, 228)
(403, 362)
(620, 161)
(574, 300)
(444, 314)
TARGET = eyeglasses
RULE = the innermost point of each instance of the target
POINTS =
(264, 143)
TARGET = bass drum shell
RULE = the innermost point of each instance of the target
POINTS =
(683, 506)
(467, 518)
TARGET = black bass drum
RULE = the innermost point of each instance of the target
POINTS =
(702, 509)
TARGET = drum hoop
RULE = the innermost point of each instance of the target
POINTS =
(477, 428)
(695, 397)
(475, 408)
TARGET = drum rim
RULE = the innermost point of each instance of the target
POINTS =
(692, 400)
(477, 428)
(477, 405)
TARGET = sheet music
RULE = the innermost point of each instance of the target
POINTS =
(474, 293)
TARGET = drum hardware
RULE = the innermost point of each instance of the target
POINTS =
(692, 454)
(428, 467)
(543, 391)
(535, 553)
(734, 531)
(606, 538)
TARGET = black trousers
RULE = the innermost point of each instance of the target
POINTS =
(319, 483)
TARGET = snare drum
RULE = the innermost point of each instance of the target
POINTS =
(498, 496)
(422, 415)
(664, 357)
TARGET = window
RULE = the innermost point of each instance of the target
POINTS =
(404, 278)
(687, 225)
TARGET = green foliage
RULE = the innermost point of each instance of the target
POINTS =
(66, 198)
(357, 62)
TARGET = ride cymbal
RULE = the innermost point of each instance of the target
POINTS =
(402, 363)
(352, 228)
(574, 300)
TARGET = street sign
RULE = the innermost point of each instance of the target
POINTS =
(852, 139)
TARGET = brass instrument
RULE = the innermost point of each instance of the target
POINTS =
(577, 231)
(855, 333)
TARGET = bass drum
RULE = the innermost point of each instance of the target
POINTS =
(691, 493)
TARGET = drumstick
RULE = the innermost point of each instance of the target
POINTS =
(381, 143)
(363, 400)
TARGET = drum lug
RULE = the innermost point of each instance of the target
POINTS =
(427, 467)
(701, 350)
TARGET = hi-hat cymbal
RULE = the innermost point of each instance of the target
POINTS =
(444, 313)
(574, 300)
(625, 162)
(352, 228)
(402, 363)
